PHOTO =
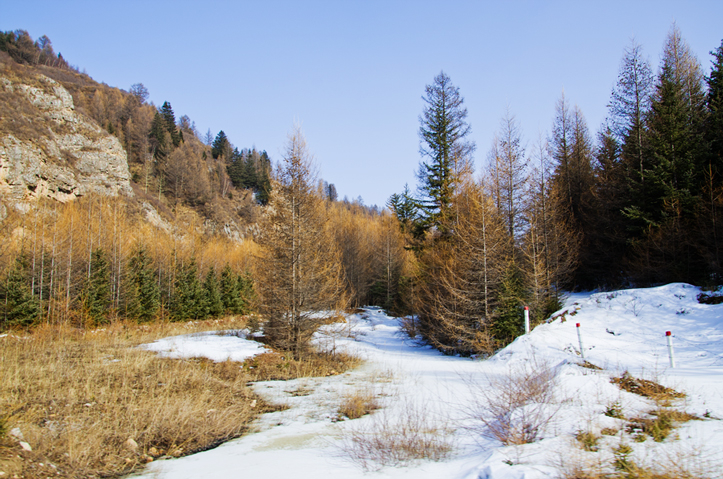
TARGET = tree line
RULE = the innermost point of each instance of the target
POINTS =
(639, 204)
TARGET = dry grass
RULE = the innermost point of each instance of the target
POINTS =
(397, 439)
(278, 366)
(358, 403)
(661, 424)
(515, 407)
(691, 463)
(588, 440)
(90, 404)
(646, 388)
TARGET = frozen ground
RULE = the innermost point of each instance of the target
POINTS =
(621, 331)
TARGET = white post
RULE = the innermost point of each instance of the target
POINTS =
(527, 320)
(669, 337)
(579, 338)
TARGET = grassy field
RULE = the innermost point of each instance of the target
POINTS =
(87, 403)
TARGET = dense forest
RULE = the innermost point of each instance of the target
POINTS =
(637, 203)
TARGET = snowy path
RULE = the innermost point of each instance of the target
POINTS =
(621, 331)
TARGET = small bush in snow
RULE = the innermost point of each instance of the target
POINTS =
(515, 407)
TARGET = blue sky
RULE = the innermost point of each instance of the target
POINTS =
(353, 72)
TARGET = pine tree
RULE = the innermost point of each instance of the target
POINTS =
(443, 131)
(20, 307)
(144, 284)
(405, 208)
(221, 146)
(212, 290)
(161, 142)
(189, 300)
(714, 101)
(511, 300)
(170, 122)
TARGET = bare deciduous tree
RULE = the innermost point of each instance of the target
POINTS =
(301, 274)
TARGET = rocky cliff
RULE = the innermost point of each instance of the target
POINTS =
(49, 150)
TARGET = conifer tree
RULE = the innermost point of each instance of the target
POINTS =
(189, 300)
(20, 307)
(221, 146)
(145, 287)
(212, 290)
(443, 131)
(170, 122)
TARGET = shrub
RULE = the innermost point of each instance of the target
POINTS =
(515, 407)
(397, 439)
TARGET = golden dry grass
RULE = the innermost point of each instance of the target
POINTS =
(91, 405)
(358, 403)
(646, 388)
(283, 366)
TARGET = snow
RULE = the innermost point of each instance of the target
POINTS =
(621, 331)
(215, 345)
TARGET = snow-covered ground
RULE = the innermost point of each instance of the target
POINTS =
(621, 331)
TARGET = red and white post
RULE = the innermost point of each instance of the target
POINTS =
(579, 338)
(527, 320)
(669, 337)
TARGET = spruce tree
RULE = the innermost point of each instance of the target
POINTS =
(20, 307)
(170, 122)
(214, 302)
(443, 131)
(714, 103)
(511, 297)
(144, 283)
(189, 301)
(221, 146)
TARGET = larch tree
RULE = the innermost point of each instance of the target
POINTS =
(509, 173)
(301, 282)
(443, 131)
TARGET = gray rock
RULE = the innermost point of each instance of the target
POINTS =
(62, 166)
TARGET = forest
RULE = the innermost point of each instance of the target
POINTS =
(459, 255)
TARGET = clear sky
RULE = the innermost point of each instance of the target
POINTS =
(353, 72)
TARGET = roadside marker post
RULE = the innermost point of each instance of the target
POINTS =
(579, 338)
(669, 337)
(527, 320)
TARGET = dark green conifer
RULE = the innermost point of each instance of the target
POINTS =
(20, 307)
(509, 314)
(144, 285)
(214, 302)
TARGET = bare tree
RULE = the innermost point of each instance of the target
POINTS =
(301, 280)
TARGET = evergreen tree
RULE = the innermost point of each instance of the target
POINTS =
(714, 102)
(443, 131)
(145, 286)
(665, 210)
(263, 178)
(97, 291)
(189, 301)
(160, 143)
(214, 302)
(221, 146)
(511, 299)
(404, 207)
(170, 122)
(20, 307)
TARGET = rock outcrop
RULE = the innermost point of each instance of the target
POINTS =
(72, 157)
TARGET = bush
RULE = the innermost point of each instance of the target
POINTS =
(515, 407)
(397, 439)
